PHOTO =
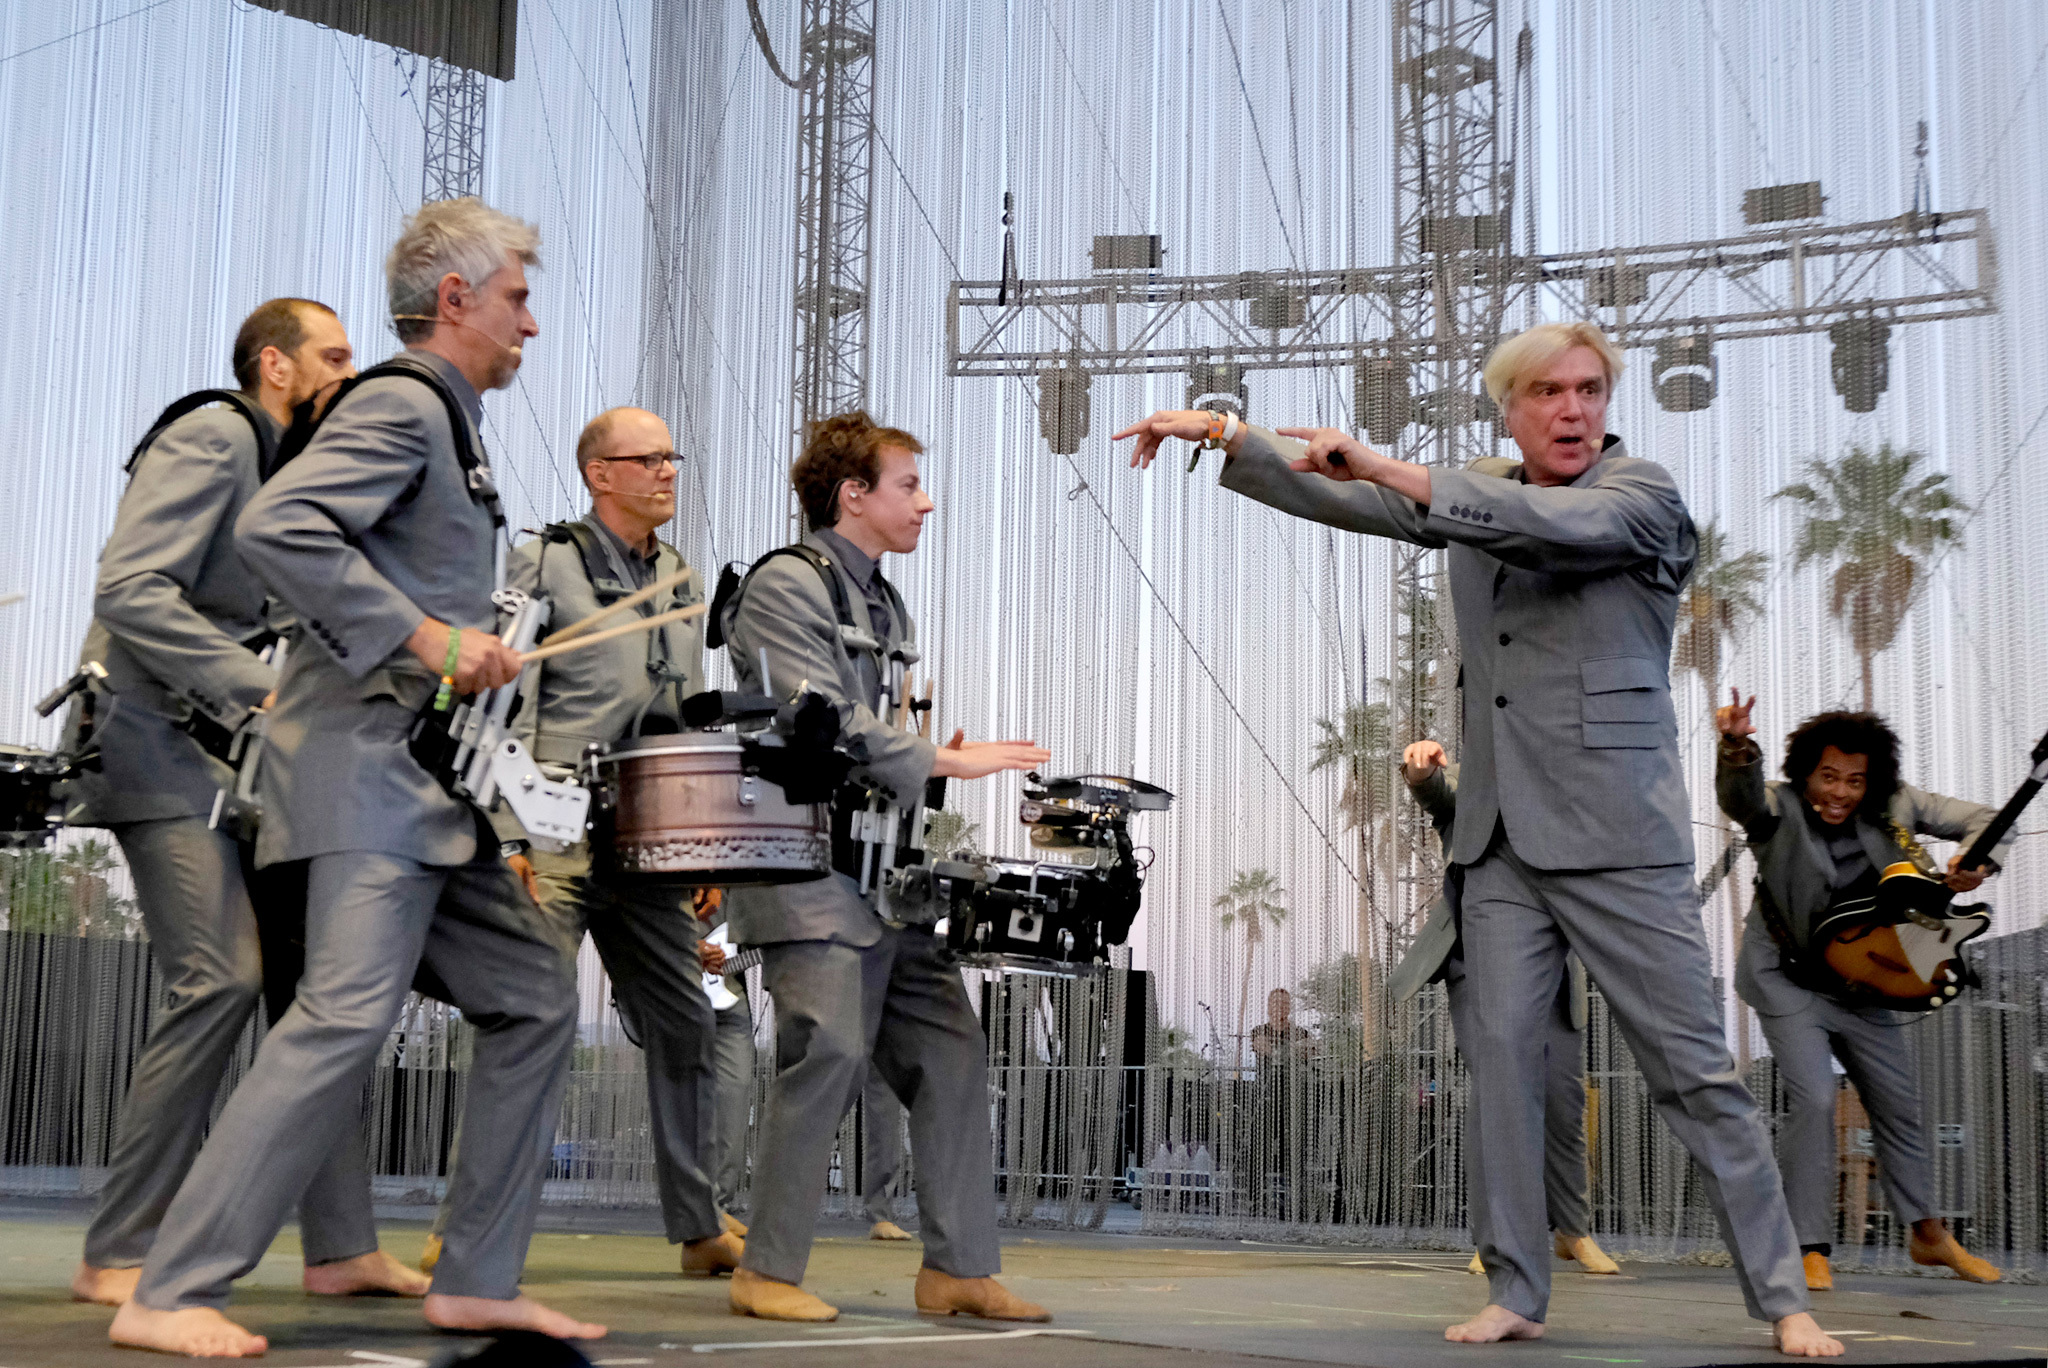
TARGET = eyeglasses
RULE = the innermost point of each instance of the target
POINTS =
(652, 462)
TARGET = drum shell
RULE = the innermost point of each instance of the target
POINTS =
(28, 796)
(680, 811)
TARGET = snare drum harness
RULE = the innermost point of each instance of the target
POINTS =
(869, 834)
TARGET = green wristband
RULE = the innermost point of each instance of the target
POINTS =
(447, 692)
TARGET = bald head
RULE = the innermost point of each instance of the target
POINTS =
(613, 455)
(602, 436)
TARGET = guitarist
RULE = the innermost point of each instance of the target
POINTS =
(1840, 817)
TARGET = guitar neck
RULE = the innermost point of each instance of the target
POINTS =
(740, 963)
(1981, 848)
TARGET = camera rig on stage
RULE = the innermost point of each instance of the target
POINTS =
(1058, 913)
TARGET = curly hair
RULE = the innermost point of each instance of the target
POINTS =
(846, 446)
(1852, 733)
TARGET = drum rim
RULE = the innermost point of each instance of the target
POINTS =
(670, 743)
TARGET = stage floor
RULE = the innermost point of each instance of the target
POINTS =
(1118, 1301)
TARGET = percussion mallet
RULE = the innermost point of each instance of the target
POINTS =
(632, 600)
(556, 646)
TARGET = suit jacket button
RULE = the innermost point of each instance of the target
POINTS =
(1505, 638)
(1487, 518)
(1500, 701)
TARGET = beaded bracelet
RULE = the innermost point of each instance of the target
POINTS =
(447, 692)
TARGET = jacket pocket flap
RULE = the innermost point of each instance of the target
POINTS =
(1607, 674)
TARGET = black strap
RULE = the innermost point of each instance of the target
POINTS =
(731, 587)
(266, 444)
(596, 566)
(304, 426)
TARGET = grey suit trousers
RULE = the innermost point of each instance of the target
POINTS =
(647, 939)
(213, 955)
(1881, 1061)
(1565, 1177)
(881, 1147)
(375, 924)
(733, 1050)
(1639, 934)
(648, 942)
(899, 1002)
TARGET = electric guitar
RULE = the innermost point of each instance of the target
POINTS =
(1901, 945)
(721, 996)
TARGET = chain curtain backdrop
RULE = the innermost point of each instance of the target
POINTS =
(167, 166)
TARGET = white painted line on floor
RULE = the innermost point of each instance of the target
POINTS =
(877, 1339)
(395, 1360)
(1369, 1311)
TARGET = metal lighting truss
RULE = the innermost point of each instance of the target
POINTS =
(454, 164)
(1794, 279)
(835, 169)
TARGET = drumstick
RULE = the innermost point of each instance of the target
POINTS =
(556, 646)
(924, 720)
(632, 600)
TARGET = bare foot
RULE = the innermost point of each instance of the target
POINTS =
(520, 1313)
(1492, 1325)
(374, 1274)
(1800, 1336)
(107, 1286)
(197, 1331)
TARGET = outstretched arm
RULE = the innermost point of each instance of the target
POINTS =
(1739, 770)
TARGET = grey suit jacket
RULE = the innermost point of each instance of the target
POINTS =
(171, 609)
(1434, 944)
(787, 611)
(1565, 599)
(1796, 870)
(369, 531)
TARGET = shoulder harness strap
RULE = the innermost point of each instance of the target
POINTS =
(266, 445)
(596, 566)
(481, 489)
(731, 586)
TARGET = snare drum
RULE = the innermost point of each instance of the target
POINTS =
(1037, 917)
(28, 779)
(681, 810)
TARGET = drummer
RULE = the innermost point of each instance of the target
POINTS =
(847, 984)
(647, 937)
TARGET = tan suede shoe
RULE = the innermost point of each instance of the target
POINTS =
(1477, 1267)
(887, 1230)
(1582, 1250)
(709, 1257)
(731, 1224)
(431, 1255)
(754, 1295)
(1946, 1252)
(1819, 1277)
(942, 1294)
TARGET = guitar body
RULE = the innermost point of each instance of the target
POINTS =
(1902, 946)
(721, 996)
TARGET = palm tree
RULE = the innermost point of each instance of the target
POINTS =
(1875, 520)
(1361, 741)
(1720, 600)
(948, 834)
(1251, 901)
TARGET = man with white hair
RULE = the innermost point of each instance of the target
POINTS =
(1573, 830)
(384, 539)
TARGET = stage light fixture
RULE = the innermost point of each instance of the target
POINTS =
(1685, 374)
(1384, 396)
(1063, 408)
(1219, 385)
(1861, 361)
